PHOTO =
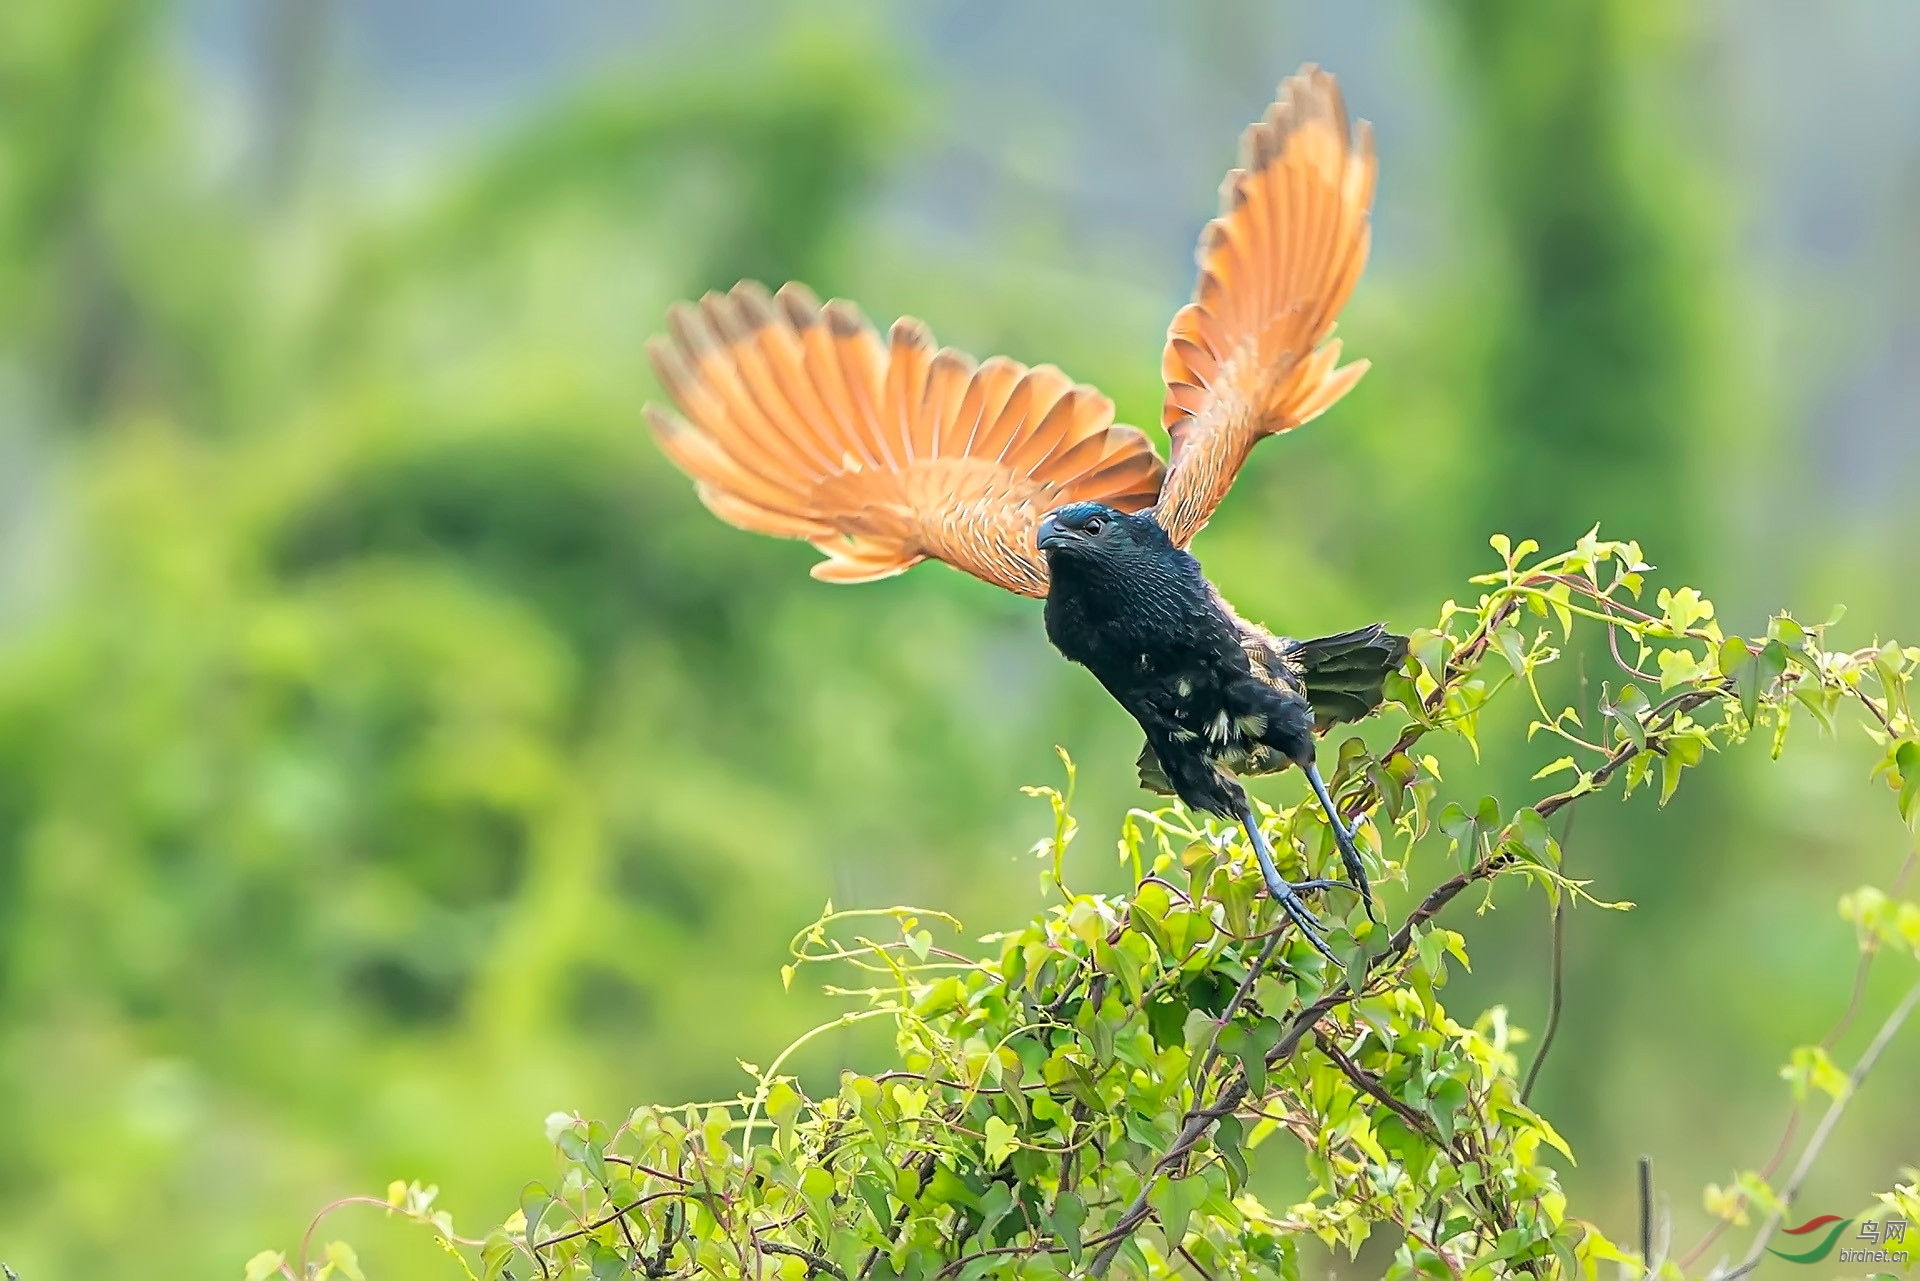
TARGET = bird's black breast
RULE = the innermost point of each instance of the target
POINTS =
(1169, 651)
(1161, 644)
(1140, 629)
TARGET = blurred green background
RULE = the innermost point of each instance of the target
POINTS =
(392, 751)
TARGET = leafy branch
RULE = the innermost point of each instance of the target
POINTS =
(1120, 1062)
(1825, 1129)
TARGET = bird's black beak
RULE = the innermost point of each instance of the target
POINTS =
(1052, 534)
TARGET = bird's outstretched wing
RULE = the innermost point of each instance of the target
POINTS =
(1249, 356)
(801, 421)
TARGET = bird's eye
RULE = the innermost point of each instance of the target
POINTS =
(1095, 525)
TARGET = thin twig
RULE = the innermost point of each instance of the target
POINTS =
(1557, 969)
(669, 1234)
(1834, 1033)
(1660, 720)
(1873, 707)
(1199, 1119)
(1239, 999)
(1197, 1265)
(662, 1175)
(306, 1241)
(1825, 1129)
(965, 1259)
(1137, 1211)
(816, 1263)
(900, 1216)
(597, 1224)
(1371, 1084)
(1646, 1216)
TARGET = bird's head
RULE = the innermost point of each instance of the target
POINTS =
(1088, 533)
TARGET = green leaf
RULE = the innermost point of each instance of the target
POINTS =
(816, 1184)
(1465, 830)
(1907, 758)
(911, 1103)
(1069, 1212)
(341, 1258)
(783, 1102)
(1487, 814)
(947, 1188)
(1683, 751)
(264, 1264)
(1755, 674)
(1783, 628)
(1229, 1140)
(1681, 666)
(1887, 662)
(496, 1255)
(943, 997)
(1175, 1200)
(993, 1206)
(1166, 1022)
(1430, 650)
(1002, 1140)
(1085, 921)
(1684, 608)
(1198, 1032)
(1627, 711)
(534, 1200)
(1148, 916)
(1734, 655)
(608, 1264)
(595, 1159)
(1513, 647)
(1811, 1067)
(1819, 700)
(1530, 831)
(1448, 1098)
(1558, 596)
(1399, 688)
(1251, 1048)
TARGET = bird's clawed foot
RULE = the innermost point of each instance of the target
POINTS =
(1287, 893)
(1349, 852)
(1302, 916)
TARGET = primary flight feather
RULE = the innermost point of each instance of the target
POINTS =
(797, 419)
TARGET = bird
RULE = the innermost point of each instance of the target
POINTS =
(795, 418)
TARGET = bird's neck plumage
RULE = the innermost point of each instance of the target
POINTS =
(1117, 615)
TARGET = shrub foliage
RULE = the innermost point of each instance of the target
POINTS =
(1091, 1093)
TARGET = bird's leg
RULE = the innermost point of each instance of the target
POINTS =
(1284, 893)
(1349, 854)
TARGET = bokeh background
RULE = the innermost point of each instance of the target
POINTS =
(393, 752)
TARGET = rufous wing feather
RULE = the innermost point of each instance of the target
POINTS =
(797, 419)
(1250, 356)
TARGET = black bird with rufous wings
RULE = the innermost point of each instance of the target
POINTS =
(797, 419)
(1217, 696)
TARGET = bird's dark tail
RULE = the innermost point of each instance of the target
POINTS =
(1345, 675)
